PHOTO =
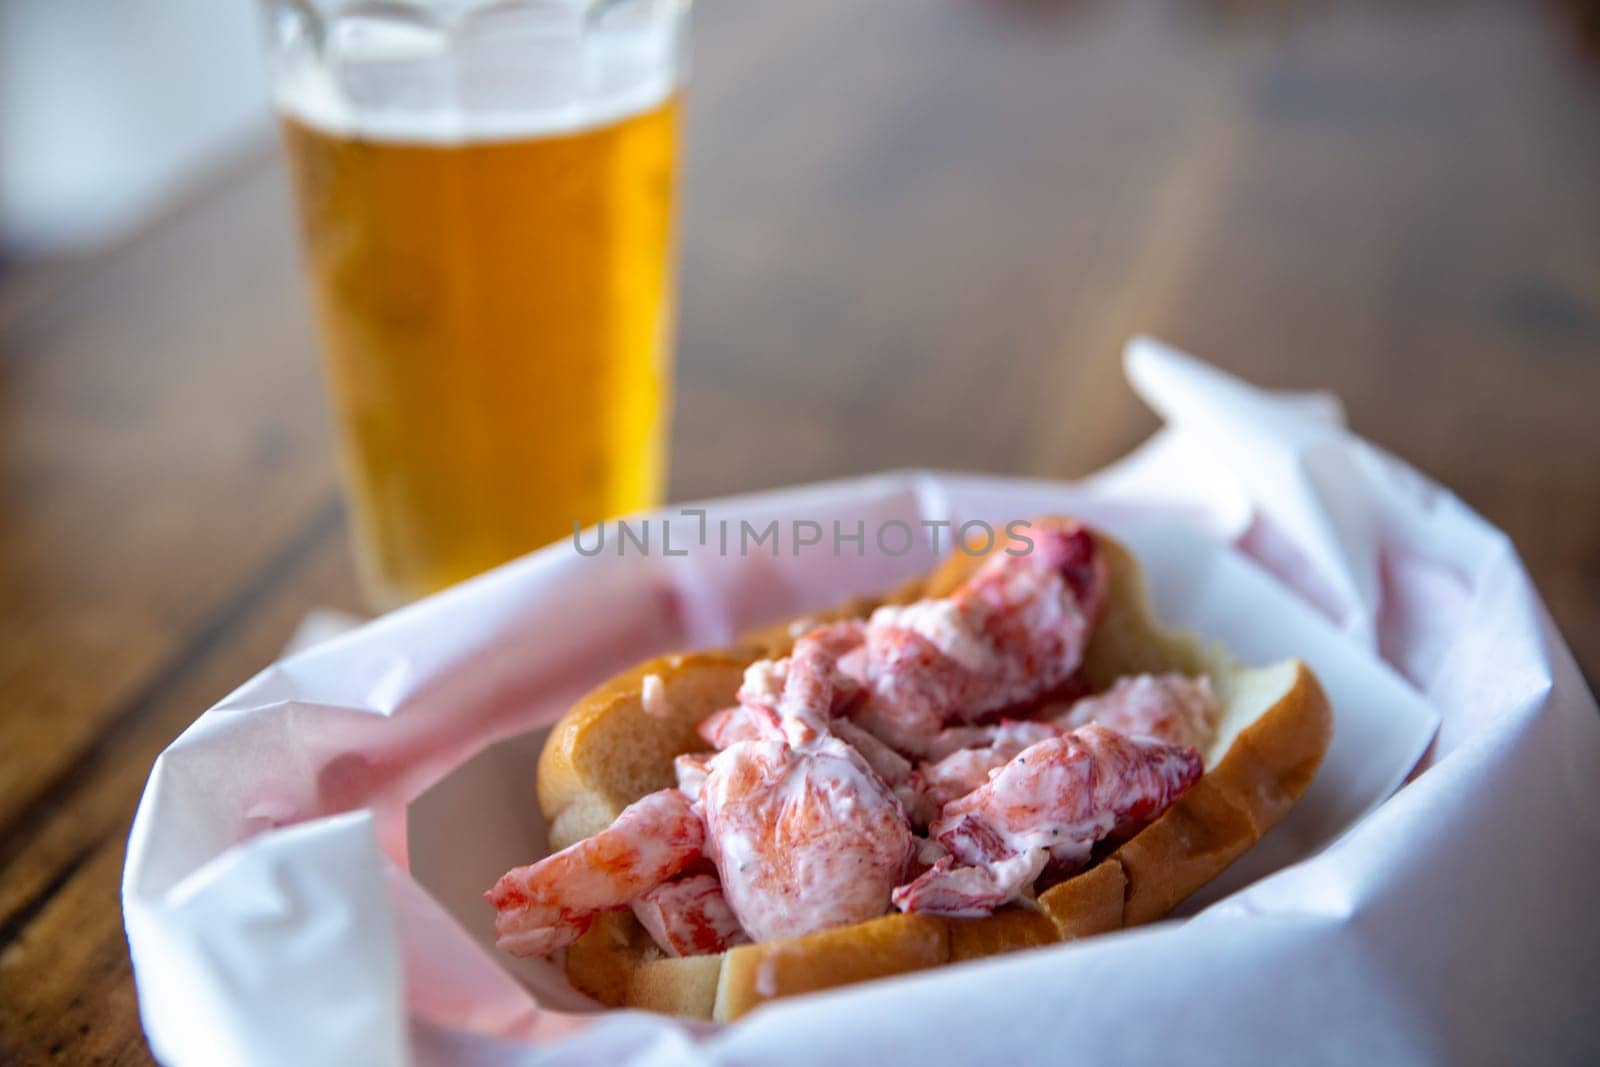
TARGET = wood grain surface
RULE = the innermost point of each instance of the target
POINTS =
(915, 233)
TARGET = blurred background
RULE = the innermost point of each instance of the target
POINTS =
(1395, 201)
(913, 233)
(112, 111)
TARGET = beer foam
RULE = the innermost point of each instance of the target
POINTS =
(324, 108)
(423, 103)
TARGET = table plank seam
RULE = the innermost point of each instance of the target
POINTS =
(326, 521)
(16, 924)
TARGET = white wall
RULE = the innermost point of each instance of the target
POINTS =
(108, 107)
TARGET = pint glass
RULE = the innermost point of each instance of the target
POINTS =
(485, 190)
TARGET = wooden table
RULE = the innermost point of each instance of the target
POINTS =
(917, 233)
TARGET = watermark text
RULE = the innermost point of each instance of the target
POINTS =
(775, 537)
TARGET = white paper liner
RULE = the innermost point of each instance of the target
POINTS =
(303, 875)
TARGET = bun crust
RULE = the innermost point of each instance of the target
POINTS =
(607, 752)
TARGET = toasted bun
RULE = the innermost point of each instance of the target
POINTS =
(607, 752)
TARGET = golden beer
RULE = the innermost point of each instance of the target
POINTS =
(496, 317)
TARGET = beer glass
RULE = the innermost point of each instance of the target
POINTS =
(485, 190)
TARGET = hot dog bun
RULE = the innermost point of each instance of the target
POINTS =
(608, 751)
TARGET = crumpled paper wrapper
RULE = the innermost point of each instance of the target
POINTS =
(303, 877)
